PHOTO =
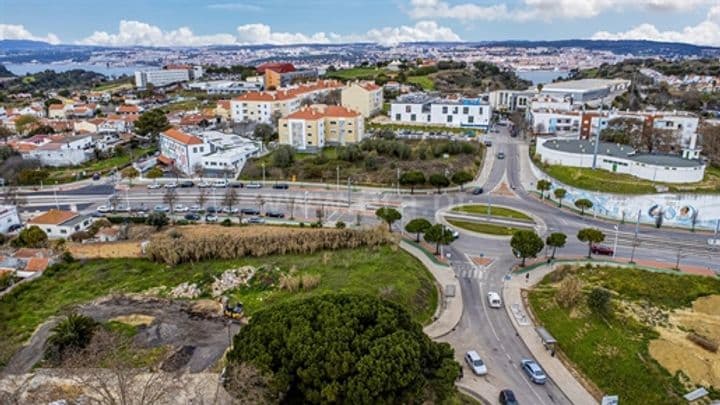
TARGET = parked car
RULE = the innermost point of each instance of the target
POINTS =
(122, 208)
(250, 211)
(488, 143)
(274, 214)
(507, 397)
(96, 176)
(255, 220)
(103, 209)
(170, 185)
(192, 217)
(477, 191)
(236, 184)
(602, 250)
(475, 362)
(187, 184)
(229, 210)
(220, 183)
(534, 371)
(501, 155)
(281, 186)
(181, 208)
(196, 208)
(253, 185)
(455, 233)
(494, 299)
(211, 210)
(211, 218)
(154, 186)
(161, 208)
(14, 227)
(203, 184)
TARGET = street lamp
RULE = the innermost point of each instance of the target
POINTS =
(263, 171)
(617, 230)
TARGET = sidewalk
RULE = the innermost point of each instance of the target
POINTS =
(554, 368)
(450, 308)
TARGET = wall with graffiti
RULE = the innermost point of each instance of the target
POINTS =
(677, 210)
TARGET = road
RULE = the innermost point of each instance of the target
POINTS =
(488, 331)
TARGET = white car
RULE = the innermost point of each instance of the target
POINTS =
(181, 208)
(104, 209)
(494, 299)
(475, 362)
(170, 185)
(154, 186)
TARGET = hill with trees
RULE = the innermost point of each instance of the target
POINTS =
(51, 80)
(4, 72)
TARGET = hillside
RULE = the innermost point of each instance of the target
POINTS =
(51, 80)
(480, 78)
(4, 72)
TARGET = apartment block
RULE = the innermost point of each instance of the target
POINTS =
(364, 97)
(320, 125)
(422, 108)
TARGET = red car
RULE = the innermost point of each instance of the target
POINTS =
(602, 250)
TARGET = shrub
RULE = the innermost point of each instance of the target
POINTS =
(32, 237)
(569, 292)
(599, 300)
(72, 333)
(310, 281)
(340, 225)
(80, 236)
(226, 222)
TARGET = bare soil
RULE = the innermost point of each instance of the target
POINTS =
(113, 250)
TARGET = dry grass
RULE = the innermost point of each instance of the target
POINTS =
(114, 250)
(196, 244)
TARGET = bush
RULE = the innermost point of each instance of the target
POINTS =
(569, 292)
(340, 225)
(80, 236)
(226, 222)
(72, 333)
(599, 301)
(32, 237)
(262, 241)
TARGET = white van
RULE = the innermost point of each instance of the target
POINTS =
(494, 299)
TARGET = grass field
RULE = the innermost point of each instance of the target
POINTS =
(490, 229)
(612, 351)
(425, 82)
(605, 181)
(359, 73)
(495, 211)
(387, 272)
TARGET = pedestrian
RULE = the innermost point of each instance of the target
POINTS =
(552, 352)
(527, 277)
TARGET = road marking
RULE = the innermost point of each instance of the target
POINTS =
(487, 314)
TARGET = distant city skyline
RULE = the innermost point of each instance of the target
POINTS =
(225, 22)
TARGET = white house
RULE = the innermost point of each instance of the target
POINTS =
(181, 150)
(618, 158)
(423, 108)
(64, 151)
(60, 224)
(8, 218)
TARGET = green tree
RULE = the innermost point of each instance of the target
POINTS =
(412, 179)
(383, 358)
(388, 215)
(560, 193)
(599, 301)
(556, 240)
(129, 173)
(340, 225)
(5, 133)
(583, 204)
(526, 244)
(543, 186)
(264, 132)
(157, 219)
(439, 235)
(23, 122)
(154, 173)
(439, 181)
(32, 237)
(462, 177)
(417, 226)
(590, 236)
(284, 156)
(72, 333)
(152, 123)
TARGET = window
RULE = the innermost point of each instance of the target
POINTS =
(466, 110)
(407, 108)
(412, 117)
(449, 118)
(397, 117)
(195, 150)
(63, 231)
(444, 110)
(455, 110)
(471, 119)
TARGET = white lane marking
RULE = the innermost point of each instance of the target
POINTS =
(487, 314)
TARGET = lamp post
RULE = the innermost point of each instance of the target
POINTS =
(263, 170)
(617, 230)
(635, 238)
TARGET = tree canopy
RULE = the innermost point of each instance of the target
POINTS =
(418, 226)
(526, 244)
(32, 237)
(556, 240)
(462, 177)
(590, 236)
(439, 235)
(344, 348)
(583, 204)
(152, 123)
(388, 215)
(412, 179)
(439, 181)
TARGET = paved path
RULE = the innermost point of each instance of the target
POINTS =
(450, 307)
(554, 368)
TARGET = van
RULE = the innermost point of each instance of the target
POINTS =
(220, 183)
(494, 299)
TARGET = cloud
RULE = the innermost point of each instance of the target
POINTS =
(707, 32)
(132, 33)
(234, 7)
(546, 10)
(10, 31)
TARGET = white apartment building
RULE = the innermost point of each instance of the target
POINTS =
(181, 150)
(166, 76)
(63, 151)
(422, 108)
(509, 100)
(8, 218)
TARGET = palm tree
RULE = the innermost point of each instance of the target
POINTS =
(73, 332)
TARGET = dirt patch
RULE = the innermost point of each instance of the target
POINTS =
(114, 250)
(134, 319)
(674, 351)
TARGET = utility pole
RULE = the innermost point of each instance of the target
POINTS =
(635, 239)
(617, 230)
(349, 191)
(263, 168)
(337, 184)
(398, 181)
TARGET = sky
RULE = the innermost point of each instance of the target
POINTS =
(387, 22)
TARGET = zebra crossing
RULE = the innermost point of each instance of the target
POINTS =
(467, 270)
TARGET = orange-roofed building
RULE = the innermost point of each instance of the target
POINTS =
(128, 109)
(365, 97)
(60, 223)
(56, 111)
(33, 267)
(319, 125)
(181, 150)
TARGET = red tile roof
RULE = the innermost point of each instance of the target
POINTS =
(36, 264)
(165, 160)
(53, 217)
(320, 111)
(291, 93)
(275, 67)
(26, 253)
(128, 109)
(182, 137)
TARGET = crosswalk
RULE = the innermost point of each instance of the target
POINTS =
(466, 270)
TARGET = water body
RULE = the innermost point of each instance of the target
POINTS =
(22, 69)
(541, 76)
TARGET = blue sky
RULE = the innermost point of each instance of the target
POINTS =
(200, 22)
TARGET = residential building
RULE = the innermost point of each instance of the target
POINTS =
(181, 150)
(364, 97)
(262, 106)
(60, 224)
(8, 218)
(128, 109)
(320, 125)
(226, 86)
(509, 100)
(616, 158)
(168, 75)
(56, 111)
(422, 108)
(58, 151)
(587, 90)
(277, 80)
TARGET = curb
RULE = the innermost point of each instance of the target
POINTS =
(471, 393)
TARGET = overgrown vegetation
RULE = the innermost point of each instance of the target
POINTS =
(51, 80)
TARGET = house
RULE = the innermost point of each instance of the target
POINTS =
(170, 74)
(319, 125)
(109, 234)
(32, 267)
(181, 150)
(223, 109)
(364, 97)
(56, 111)
(423, 108)
(60, 224)
(63, 151)
(8, 218)
(128, 109)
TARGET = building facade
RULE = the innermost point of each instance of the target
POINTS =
(8, 218)
(318, 126)
(61, 224)
(365, 98)
(420, 108)
(181, 150)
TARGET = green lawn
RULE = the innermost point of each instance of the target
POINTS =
(605, 181)
(356, 73)
(424, 128)
(425, 82)
(387, 272)
(495, 211)
(613, 351)
(490, 229)
(69, 174)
